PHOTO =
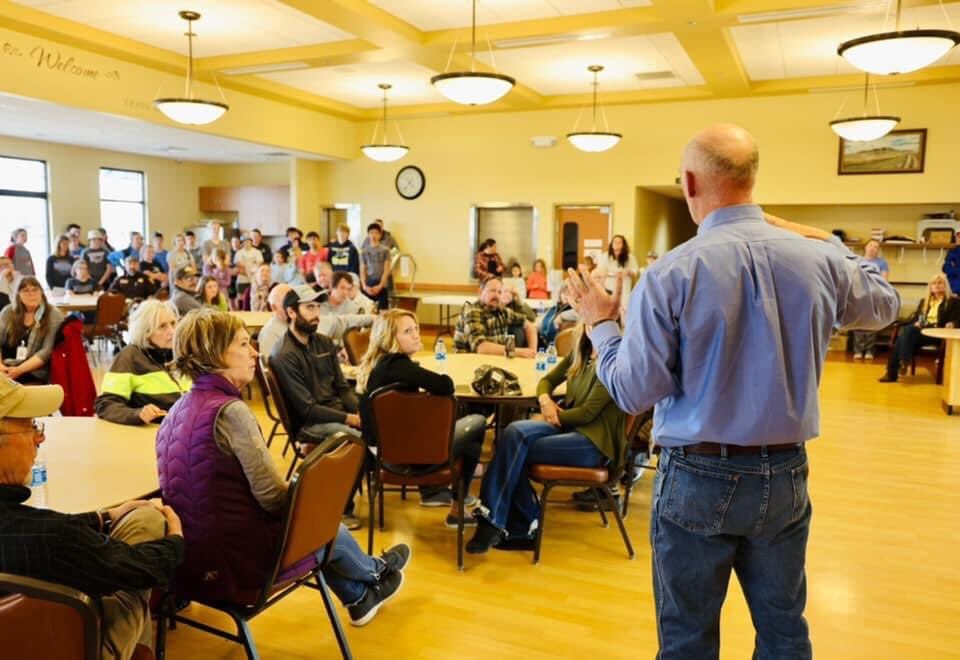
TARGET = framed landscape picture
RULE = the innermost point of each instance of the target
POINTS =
(897, 152)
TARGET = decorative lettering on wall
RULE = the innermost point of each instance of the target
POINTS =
(51, 59)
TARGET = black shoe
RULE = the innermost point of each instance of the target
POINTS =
(887, 378)
(904, 365)
(484, 538)
(521, 543)
(439, 498)
(451, 521)
(363, 611)
(585, 496)
(396, 557)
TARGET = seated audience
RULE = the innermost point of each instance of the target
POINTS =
(80, 281)
(338, 313)
(510, 298)
(218, 267)
(344, 255)
(18, 253)
(376, 268)
(394, 340)
(115, 555)
(281, 270)
(28, 327)
(101, 270)
(152, 268)
(274, 329)
(215, 468)
(140, 386)
(323, 276)
(537, 281)
(254, 299)
(8, 281)
(362, 304)
(938, 309)
(484, 325)
(587, 431)
(183, 295)
(560, 315)
(59, 264)
(488, 262)
(179, 256)
(210, 295)
(133, 284)
(247, 259)
(318, 397)
(865, 340)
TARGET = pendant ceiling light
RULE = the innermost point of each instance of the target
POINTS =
(472, 87)
(866, 127)
(901, 51)
(383, 152)
(189, 109)
(594, 140)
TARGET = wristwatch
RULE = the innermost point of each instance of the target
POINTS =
(106, 520)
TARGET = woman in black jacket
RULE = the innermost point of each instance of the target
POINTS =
(394, 338)
(59, 264)
(938, 309)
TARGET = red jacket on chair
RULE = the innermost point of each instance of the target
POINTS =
(70, 370)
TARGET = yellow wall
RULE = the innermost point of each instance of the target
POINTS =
(488, 158)
(666, 223)
(309, 191)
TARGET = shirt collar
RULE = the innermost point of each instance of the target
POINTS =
(14, 494)
(731, 215)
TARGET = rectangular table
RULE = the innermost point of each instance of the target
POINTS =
(951, 365)
(92, 463)
(253, 320)
(74, 302)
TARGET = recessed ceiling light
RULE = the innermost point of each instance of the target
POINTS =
(276, 154)
(264, 68)
(814, 12)
(547, 39)
(654, 75)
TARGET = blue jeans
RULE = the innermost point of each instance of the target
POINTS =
(712, 514)
(351, 570)
(507, 499)
(909, 339)
(383, 298)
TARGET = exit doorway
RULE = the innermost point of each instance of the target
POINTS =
(581, 230)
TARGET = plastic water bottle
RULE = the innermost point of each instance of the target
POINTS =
(440, 355)
(38, 481)
(541, 364)
(552, 355)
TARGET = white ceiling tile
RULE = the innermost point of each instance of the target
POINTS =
(356, 84)
(562, 68)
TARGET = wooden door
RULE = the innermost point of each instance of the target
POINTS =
(580, 230)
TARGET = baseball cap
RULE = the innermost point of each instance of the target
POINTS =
(303, 293)
(185, 272)
(94, 233)
(26, 402)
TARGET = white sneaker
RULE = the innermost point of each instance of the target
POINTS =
(858, 356)
(868, 355)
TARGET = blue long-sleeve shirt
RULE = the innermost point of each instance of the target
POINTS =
(727, 333)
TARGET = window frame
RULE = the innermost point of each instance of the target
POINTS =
(45, 196)
(143, 194)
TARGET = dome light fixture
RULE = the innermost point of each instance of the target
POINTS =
(594, 140)
(383, 152)
(866, 127)
(188, 109)
(900, 51)
(472, 87)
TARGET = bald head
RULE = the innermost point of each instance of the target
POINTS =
(277, 294)
(719, 169)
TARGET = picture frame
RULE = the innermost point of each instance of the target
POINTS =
(897, 152)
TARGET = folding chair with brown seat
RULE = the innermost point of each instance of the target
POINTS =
(315, 500)
(409, 303)
(276, 429)
(599, 479)
(413, 433)
(564, 342)
(111, 311)
(641, 442)
(45, 620)
(356, 341)
(300, 448)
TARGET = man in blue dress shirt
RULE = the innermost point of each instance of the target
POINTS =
(727, 335)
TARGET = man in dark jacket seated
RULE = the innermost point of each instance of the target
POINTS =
(133, 284)
(115, 555)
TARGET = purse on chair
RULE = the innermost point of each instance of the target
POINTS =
(494, 381)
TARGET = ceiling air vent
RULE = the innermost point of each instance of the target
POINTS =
(654, 75)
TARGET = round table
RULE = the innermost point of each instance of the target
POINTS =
(951, 365)
(447, 303)
(253, 320)
(74, 302)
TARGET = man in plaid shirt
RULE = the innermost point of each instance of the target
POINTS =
(484, 325)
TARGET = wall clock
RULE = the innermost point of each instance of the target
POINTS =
(410, 182)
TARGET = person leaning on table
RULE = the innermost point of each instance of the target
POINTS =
(484, 325)
(140, 386)
(727, 334)
(114, 555)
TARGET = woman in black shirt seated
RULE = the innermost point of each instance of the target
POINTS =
(394, 338)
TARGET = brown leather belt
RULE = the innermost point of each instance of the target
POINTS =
(716, 449)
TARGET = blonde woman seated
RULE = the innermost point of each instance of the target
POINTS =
(587, 431)
(394, 339)
(140, 387)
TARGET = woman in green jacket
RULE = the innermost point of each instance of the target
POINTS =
(587, 431)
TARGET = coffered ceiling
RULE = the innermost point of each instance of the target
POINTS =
(331, 54)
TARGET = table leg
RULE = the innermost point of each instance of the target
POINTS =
(951, 376)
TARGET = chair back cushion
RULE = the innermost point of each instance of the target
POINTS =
(111, 308)
(564, 342)
(44, 620)
(317, 497)
(356, 341)
(412, 428)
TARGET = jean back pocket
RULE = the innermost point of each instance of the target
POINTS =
(697, 498)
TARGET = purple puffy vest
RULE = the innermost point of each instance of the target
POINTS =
(230, 539)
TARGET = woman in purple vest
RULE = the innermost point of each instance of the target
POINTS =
(216, 471)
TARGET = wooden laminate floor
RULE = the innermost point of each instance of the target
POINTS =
(883, 569)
